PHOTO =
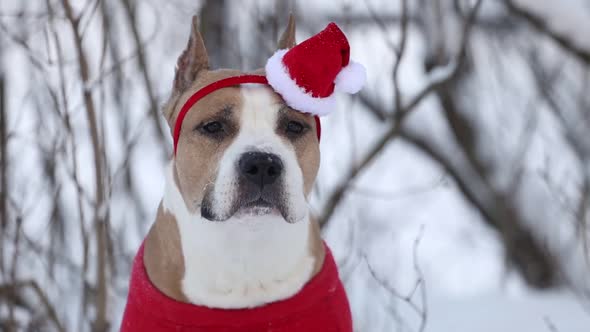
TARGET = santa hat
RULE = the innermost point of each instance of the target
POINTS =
(307, 74)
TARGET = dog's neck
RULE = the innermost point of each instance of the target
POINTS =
(237, 263)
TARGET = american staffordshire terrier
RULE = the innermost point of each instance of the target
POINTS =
(233, 246)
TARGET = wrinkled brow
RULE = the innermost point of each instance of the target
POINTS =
(287, 112)
(225, 112)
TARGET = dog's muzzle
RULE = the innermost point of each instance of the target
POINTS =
(259, 189)
(260, 185)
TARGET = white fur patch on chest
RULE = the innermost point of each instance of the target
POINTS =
(239, 263)
(246, 261)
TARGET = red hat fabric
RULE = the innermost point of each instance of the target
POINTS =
(307, 74)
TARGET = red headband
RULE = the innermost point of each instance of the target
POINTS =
(224, 83)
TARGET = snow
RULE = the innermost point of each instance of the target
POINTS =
(492, 312)
(469, 288)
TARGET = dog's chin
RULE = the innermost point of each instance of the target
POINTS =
(249, 209)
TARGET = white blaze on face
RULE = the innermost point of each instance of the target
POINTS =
(246, 261)
(257, 133)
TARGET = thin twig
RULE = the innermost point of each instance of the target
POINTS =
(3, 172)
(550, 326)
(382, 25)
(421, 283)
(420, 309)
(543, 27)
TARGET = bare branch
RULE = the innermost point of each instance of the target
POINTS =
(440, 79)
(143, 67)
(543, 27)
(9, 291)
(100, 323)
(497, 25)
(3, 171)
(400, 53)
(523, 250)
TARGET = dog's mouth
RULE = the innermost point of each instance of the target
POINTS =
(259, 203)
(258, 207)
(249, 203)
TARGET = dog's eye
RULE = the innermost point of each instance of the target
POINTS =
(294, 127)
(213, 127)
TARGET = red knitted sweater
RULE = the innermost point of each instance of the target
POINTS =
(321, 305)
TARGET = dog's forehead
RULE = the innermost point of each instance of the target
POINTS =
(260, 108)
(260, 99)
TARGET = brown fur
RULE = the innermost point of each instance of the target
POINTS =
(197, 157)
(163, 258)
(307, 148)
(316, 246)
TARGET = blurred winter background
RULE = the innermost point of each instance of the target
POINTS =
(454, 190)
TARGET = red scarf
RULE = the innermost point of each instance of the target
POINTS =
(321, 305)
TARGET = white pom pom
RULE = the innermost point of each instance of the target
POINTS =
(351, 78)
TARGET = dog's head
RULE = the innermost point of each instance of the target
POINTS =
(241, 150)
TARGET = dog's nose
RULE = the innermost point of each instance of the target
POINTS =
(260, 168)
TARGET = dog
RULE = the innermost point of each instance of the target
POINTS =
(233, 246)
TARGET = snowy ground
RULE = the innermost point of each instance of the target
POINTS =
(494, 312)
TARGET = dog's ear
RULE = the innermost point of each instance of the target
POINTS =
(287, 40)
(192, 60)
